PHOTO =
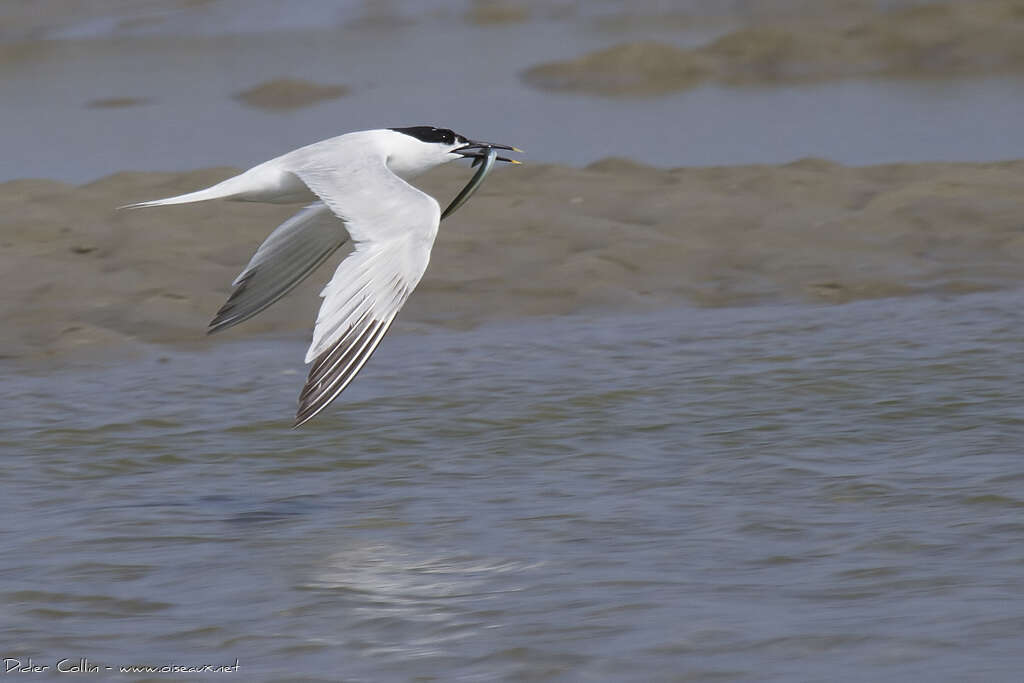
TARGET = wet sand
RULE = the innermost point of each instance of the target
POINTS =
(289, 93)
(536, 240)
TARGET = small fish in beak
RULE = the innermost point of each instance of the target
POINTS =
(483, 154)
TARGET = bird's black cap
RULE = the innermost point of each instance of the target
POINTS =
(432, 134)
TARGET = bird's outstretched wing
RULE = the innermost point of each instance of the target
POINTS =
(392, 226)
(286, 258)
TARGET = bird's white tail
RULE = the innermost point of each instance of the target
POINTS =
(232, 187)
(263, 183)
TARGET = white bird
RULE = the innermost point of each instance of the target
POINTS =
(359, 178)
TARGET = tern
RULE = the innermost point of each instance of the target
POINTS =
(355, 186)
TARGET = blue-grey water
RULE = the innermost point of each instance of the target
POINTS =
(466, 78)
(778, 493)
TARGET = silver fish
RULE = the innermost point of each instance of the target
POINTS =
(474, 182)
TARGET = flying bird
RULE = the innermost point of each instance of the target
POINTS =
(355, 186)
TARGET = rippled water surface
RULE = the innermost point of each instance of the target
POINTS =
(771, 493)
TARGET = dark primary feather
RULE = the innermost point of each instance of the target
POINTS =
(336, 367)
(286, 258)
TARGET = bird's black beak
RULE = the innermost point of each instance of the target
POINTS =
(477, 150)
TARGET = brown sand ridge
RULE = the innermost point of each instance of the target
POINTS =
(536, 240)
(118, 102)
(492, 12)
(289, 93)
(979, 37)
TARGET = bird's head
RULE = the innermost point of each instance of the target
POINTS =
(420, 148)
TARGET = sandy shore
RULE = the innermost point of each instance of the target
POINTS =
(537, 240)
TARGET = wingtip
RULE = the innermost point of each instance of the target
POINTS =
(307, 408)
(301, 419)
(220, 321)
(142, 205)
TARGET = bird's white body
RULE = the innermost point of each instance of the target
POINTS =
(359, 178)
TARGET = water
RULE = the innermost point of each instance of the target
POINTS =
(189, 119)
(771, 493)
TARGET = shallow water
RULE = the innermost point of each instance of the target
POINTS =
(771, 493)
(467, 78)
